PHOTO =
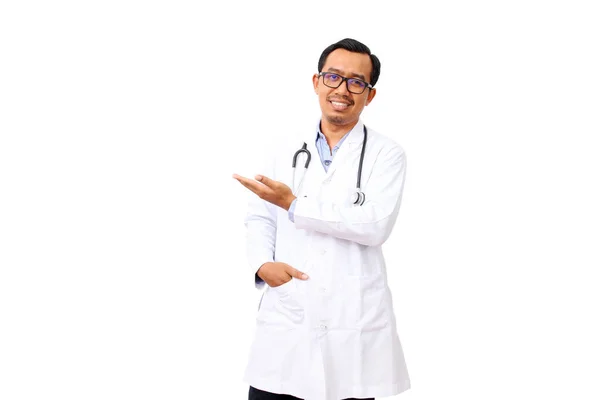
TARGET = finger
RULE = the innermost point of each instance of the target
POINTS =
(296, 274)
(246, 181)
(276, 186)
(250, 184)
(241, 179)
(263, 179)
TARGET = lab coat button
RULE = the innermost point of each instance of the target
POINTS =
(323, 327)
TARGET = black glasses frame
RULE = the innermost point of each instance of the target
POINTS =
(344, 79)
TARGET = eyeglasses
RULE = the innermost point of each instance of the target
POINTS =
(354, 85)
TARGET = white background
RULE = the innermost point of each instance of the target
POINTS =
(122, 268)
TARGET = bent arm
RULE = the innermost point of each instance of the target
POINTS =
(261, 231)
(370, 224)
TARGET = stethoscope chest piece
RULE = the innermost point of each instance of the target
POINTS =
(358, 198)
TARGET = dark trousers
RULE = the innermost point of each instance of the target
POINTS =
(257, 394)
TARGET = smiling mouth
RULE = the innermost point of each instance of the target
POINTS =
(339, 106)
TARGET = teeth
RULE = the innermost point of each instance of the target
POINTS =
(335, 103)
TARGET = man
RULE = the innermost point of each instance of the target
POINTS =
(326, 328)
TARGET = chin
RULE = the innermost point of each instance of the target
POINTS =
(336, 119)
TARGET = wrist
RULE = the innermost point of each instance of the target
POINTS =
(289, 202)
(259, 272)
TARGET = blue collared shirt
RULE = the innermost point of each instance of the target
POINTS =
(325, 154)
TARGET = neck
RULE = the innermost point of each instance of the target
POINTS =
(333, 133)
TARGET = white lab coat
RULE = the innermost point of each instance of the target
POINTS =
(334, 335)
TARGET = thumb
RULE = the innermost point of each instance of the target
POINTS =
(296, 274)
(263, 179)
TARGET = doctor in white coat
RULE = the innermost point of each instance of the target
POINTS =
(326, 328)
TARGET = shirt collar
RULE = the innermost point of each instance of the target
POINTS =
(321, 136)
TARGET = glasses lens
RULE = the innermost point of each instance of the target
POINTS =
(356, 86)
(332, 80)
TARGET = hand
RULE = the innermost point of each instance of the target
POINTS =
(267, 189)
(277, 273)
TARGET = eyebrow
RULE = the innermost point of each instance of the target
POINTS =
(337, 71)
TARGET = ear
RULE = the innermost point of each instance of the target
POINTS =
(316, 83)
(370, 96)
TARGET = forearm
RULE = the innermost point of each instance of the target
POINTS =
(261, 230)
(369, 224)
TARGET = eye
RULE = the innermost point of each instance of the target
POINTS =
(357, 83)
(332, 77)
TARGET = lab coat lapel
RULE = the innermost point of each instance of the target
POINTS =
(347, 150)
(315, 174)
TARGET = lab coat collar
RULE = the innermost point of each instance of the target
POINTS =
(354, 136)
(351, 144)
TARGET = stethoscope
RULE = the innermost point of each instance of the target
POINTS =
(358, 197)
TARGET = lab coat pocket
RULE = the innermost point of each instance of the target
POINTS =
(369, 301)
(288, 304)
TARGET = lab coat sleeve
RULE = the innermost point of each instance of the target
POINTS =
(291, 210)
(261, 229)
(370, 224)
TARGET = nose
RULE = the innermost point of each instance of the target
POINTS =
(343, 88)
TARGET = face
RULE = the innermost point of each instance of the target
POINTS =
(341, 109)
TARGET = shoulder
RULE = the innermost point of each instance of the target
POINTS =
(384, 145)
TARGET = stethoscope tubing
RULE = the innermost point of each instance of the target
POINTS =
(361, 196)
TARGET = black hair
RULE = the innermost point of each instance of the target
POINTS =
(356, 47)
